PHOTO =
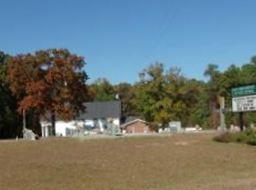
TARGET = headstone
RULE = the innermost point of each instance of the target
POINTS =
(167, 130)
(198, 127)
(112, 129)
(221, 129)
(175, 126)
(160, 130)
(234, 128)
(28, 134)
(191, 129)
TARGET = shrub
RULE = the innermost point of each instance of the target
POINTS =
(223, 137)
(252, 141)
(239, 137)
(248, 136)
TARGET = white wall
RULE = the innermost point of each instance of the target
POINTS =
(61, 126)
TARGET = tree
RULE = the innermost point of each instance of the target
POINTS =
(236, 76)
(150, 95)
(213, 90)
(163, 96)
(49, 82)
(126, 94)
(184, 94)
(10, 121)
(102, 90)
(199, 110)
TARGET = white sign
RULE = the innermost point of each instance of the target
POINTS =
(244, 103)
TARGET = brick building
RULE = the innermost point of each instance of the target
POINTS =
(136, 126)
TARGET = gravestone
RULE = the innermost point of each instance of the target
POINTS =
(234, 128)
(175, 126)
(112, 129)
(28, 134)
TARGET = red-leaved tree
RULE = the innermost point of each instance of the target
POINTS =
(51, 82)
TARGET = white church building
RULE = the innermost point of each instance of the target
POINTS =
(99, 117)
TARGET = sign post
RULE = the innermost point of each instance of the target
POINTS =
(243, 100)
(241, 120)
(222, 115)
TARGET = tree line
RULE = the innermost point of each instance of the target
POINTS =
(162, 95)
(53, 84)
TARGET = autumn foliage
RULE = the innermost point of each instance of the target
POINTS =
(52, 82)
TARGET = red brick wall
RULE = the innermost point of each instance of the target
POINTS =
(138, 127)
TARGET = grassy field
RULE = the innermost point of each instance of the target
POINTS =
(180, 162)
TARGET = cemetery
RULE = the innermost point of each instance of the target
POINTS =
(128, 95)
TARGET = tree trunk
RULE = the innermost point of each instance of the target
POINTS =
(53, 119)
(24, 120)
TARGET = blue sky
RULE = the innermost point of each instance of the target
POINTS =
(119, 38)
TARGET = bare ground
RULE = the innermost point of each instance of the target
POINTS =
(182, 162)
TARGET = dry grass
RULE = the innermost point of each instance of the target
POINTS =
(182, 162)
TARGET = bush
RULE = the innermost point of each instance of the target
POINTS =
(238, 137)
(223, 137)
(248, 136)
(252, 141)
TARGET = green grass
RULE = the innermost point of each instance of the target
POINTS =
(183, 162)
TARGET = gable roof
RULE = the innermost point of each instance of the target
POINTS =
(131, 118)
(132, 122)
(108, 109)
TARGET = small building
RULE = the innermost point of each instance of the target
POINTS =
(136, 126)
(99, 117)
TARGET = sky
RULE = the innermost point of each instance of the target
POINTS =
(119, 38)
